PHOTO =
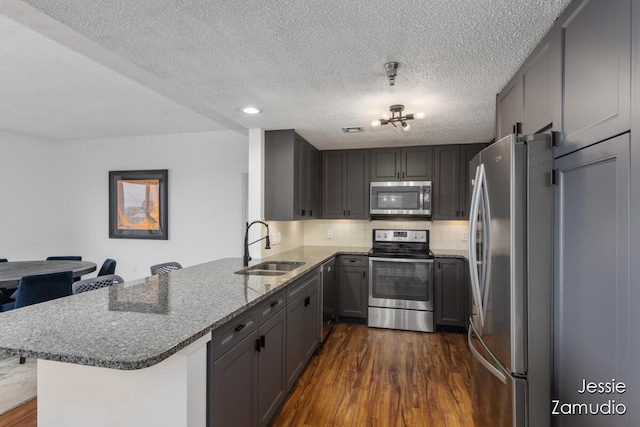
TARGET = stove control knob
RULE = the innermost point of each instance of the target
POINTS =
(385, 235)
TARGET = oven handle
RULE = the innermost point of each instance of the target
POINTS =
(413, 260)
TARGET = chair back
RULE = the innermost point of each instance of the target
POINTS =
(65, 258)
(108, 267)
(4, 260)
(165, 267)
(43, 287)
(95, 283)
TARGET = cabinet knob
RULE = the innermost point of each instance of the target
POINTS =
(302, 212)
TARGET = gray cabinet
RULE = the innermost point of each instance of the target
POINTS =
(595, 41)
(233, 388)
(451, 292)
(291, 177)
(509, 108)
(402, 164)
(451, 190)
(271, 364)
(592, 323)
(345, 184)
(303, 325)
(353, 286)
(247, 378)
(526, 104)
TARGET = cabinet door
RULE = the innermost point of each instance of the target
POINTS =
(311, 322)
(591, 277)
(334, 167)
(446, 185)
(467, 153)
(233, 386)
(596, 44)
(538, 86)
(357, 189)
(450, 292)
(271, 367)
(312, 183)
(386, 164)
(508, 108)
(417, 163)
(302, 176)
(295, 331)
(353, 292)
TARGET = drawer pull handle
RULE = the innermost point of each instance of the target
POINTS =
(263, 341)
(273, 304)
(256, 345)
(307, 301)
(240, 327)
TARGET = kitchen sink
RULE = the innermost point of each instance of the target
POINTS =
(271, 268)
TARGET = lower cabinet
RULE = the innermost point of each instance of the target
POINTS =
(257, 357)
(352, 283)
(452, 296)
(303, 326)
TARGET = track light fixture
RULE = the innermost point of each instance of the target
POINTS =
(396, 117)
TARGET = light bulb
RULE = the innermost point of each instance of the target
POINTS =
(385, 116)
(251, 110)
(419, 116)
(375, 123)
(406, 126)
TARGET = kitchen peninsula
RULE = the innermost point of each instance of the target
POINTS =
(136, 353)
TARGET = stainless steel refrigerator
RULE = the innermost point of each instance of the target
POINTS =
(510, 261)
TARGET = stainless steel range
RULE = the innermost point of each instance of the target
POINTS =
(401, 280)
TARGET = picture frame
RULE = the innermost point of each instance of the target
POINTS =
(138, 204)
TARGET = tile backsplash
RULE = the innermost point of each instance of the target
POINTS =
(343, 232)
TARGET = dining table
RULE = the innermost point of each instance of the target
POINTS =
(11, 272)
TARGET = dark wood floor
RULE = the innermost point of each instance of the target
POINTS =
(379, 377)
(368, 377)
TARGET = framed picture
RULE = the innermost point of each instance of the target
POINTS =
(138, 204)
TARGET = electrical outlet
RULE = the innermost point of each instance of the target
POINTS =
(465, 236)
(329, 234)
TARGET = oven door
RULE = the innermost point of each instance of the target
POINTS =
(401, 283)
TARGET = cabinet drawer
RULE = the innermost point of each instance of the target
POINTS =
(301, 285)
(234, 331)
(269, 307)
(352, 261)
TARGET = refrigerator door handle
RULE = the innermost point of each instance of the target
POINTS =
(473, 259)
(488, 365)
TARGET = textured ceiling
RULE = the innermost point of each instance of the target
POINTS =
(317, 66)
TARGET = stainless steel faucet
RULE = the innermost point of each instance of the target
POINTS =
(246, 257)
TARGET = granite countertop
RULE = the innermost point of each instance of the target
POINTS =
(451, 253)
(137, 324)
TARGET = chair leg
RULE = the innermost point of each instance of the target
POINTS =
(22, 360)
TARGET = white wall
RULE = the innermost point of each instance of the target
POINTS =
(55, 198)
(205, 198)
(28, 193)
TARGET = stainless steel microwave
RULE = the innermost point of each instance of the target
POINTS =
(401, 198)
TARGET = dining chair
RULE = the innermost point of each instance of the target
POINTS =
(65, 257)
(165, 267)
(108, 267)
(4, 260)
(40, 288)
(95, 283)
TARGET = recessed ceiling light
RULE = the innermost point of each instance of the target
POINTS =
(251, 110)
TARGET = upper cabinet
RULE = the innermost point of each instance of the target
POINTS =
(402, 164)
(451, 192)
(526, 104)
(345, 184)
(577, 81)
(291, 177)
(595, 40)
